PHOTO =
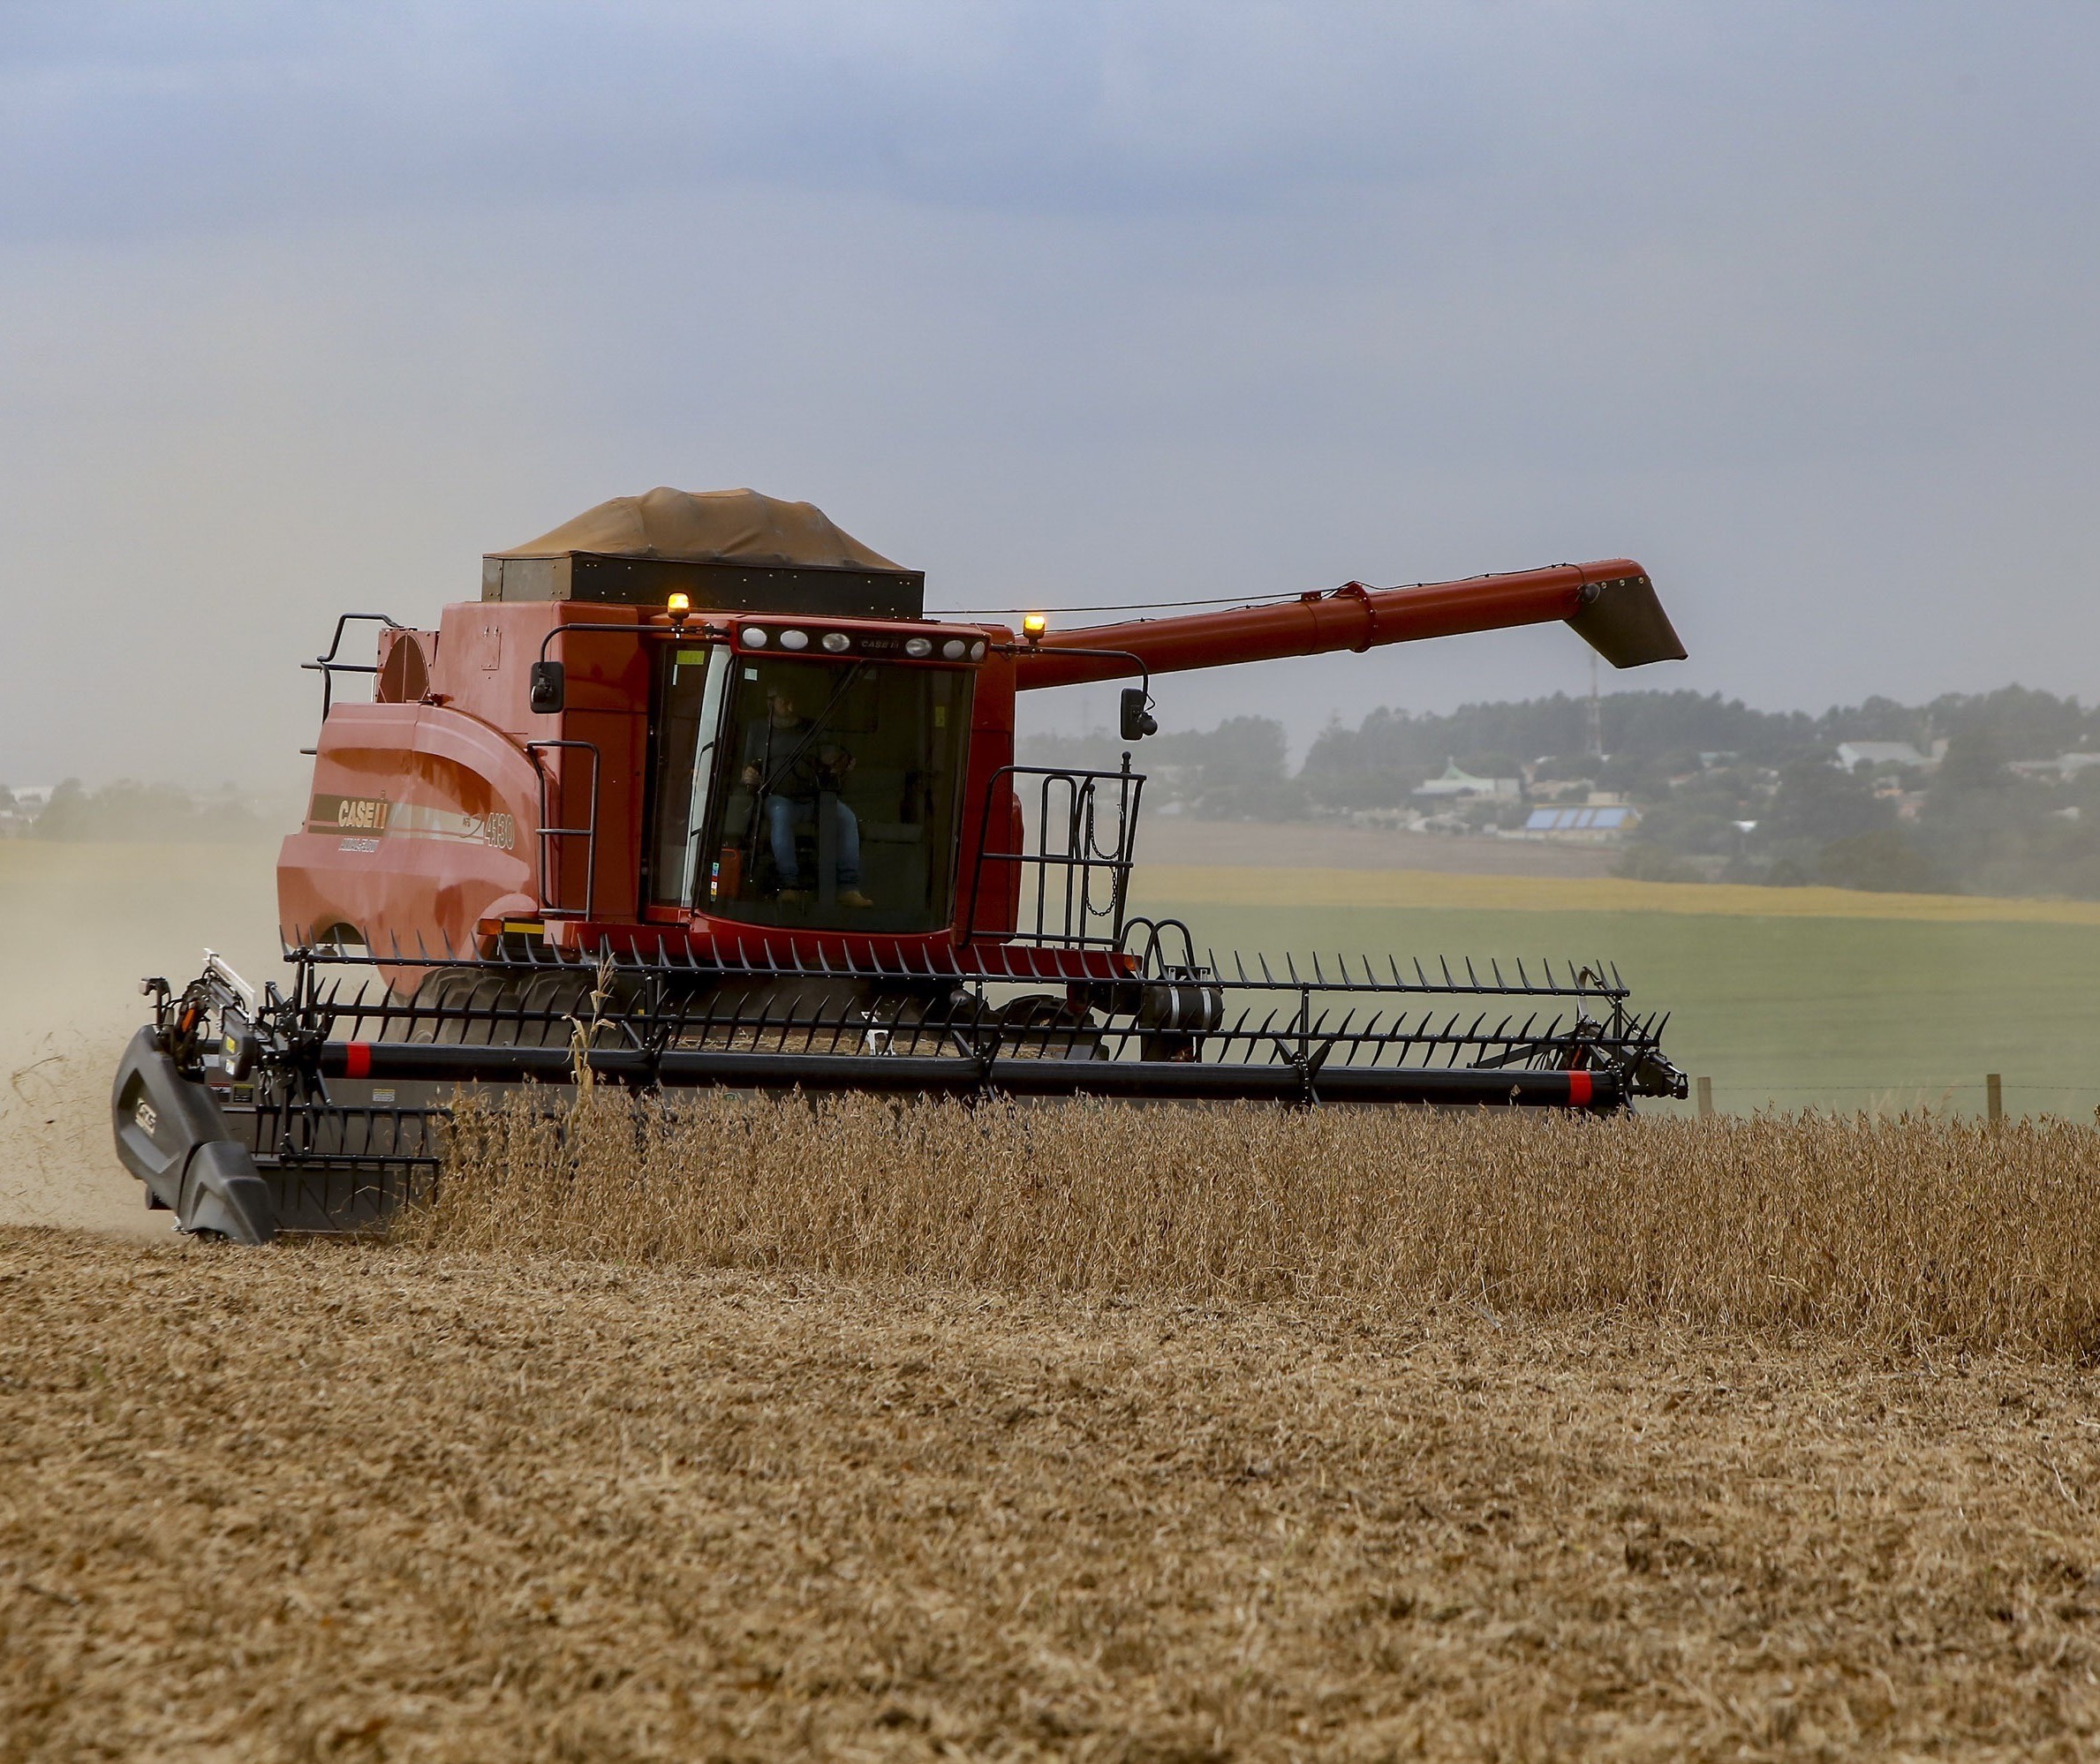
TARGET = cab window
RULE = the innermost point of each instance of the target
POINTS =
(836, 795)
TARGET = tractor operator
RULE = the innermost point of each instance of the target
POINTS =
(796, 772)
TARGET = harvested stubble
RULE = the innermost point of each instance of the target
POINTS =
(1908, 1232)
(337, 1501)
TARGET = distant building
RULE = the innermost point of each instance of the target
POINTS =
(21, 806)
(1852, 754)
(2062, 769)
(1592, 824)
(1457, 783)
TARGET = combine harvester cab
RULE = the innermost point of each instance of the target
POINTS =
(696, 795)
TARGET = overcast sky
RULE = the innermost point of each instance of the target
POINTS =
(304, 307)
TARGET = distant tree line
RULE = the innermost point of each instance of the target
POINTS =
(134, 812)
(1725, 791)
(1238, 770)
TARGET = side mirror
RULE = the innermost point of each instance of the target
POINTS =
(550, 688)
(1138, 721)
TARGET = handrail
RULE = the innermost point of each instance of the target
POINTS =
(551, 834)
(1084, 857)
(328, 667)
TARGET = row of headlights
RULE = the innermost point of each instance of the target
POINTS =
(918, 648)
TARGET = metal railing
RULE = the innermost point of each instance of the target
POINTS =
(327, 667)
(1085, 824)
(550, 835)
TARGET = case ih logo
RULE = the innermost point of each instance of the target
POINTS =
(367, 819)
(365, 814)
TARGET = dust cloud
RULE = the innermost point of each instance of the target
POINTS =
(83, 924)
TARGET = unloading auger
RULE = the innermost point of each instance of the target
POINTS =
(696, 795)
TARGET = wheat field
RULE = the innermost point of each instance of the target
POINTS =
(1908, 1232)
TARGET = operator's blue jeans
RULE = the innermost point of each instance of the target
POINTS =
(783, 817)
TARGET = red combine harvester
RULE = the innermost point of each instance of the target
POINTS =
(697, 794)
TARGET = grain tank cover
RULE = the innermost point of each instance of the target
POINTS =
(731, 550)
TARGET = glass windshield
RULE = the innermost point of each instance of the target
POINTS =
(835, 794)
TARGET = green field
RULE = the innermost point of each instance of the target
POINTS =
(1847, 1013)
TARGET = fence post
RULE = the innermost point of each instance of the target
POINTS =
(1994, 1097)
(1706, 1099)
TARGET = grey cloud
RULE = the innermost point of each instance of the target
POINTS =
(183, 116)
(303, 308)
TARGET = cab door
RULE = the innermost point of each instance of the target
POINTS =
(685, 720)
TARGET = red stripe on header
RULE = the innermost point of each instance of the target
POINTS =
(356, 1060)
(1580, 1086)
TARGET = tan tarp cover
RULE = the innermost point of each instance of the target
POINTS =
(708, 526)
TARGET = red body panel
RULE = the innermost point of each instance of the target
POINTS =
(421, 819)
(705, 941)
(425, 817)
(989, 896)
